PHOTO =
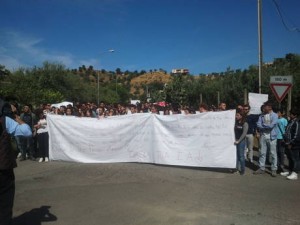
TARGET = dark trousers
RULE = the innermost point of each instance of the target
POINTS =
(27, 147)
(7, 193)
(18, 140)
(43, 141)
(280, 154)
(293, 156)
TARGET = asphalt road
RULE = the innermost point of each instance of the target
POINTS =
(63, 193)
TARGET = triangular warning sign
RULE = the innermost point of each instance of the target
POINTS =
(280, 90)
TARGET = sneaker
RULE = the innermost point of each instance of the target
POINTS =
(41, 160)
(46, 159)
(259, 171)
(273, 173)
(285, 174)
(293, 176)
(19, 155)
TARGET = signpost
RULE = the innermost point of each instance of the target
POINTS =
(280, 86)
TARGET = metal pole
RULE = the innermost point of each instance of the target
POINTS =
(245, 96)
(98, 90)
(201, 98)
(289, 106)
(260, 51)
(147, 92)
(116, 83)
(98, 86)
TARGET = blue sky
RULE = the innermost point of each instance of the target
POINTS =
(202, 35)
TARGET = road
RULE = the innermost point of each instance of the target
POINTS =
(64, 193)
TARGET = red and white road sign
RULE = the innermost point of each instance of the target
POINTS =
(280, 86)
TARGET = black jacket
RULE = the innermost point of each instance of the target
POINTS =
(292, 133)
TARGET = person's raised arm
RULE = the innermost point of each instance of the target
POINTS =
(17, 127)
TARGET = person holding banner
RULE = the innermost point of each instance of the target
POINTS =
(267, 125)
(240, 130)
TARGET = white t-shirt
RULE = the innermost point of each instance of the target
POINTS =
(43, 128)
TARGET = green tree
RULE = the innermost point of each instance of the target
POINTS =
(176, 90)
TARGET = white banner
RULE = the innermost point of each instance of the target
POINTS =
(203, 140)
(57, 105)
(256, 101)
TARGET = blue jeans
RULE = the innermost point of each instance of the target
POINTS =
(240, 156)
(266, 143)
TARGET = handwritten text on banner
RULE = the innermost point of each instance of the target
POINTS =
(202, 140)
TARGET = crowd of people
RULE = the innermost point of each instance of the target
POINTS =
(36, 147)
(105, 110)
(278, 136)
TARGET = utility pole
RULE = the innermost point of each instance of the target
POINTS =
(245, 96)
(98, 89)
(260, 51)
(116, 84)
(98, 73)
(289, 106)
(201, 98)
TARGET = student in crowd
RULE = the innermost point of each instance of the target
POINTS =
(281, 126)
(112, 112)
(292, 140)
(167, 111)
(18, 139)
(251, 120)
(88, 113)
(62, 110)
(154, 110)
(267, 125)
(240, 130)
(43, 137)
(240, 107)
(69, 111)
(203, 108)
(133, 109)
(222, 106)
(28, 142)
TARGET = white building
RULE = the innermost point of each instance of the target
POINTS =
(180, 71)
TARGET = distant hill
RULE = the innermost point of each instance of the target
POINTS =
(138, 83)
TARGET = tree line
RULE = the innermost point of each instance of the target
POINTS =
(53, 82)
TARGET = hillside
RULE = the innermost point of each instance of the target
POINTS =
(137, 84)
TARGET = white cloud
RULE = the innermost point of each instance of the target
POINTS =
(22, 50)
